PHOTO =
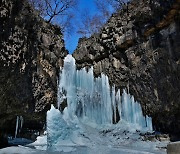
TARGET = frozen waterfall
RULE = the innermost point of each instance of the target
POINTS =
(92, 99)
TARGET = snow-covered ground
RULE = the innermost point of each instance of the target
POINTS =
(75, 150)
(116, 139)
(83, 136)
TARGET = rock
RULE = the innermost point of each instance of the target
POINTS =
(3, 140)
(46, 40)
(173, 148)
(116, 63)
(141, 49)
(31, 53)
(120, 40)
(104, 36)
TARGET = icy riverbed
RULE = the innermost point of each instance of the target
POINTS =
(121, 138)
(85, 139)
(91, 140)
(88, 138)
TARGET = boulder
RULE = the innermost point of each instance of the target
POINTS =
(173, 148)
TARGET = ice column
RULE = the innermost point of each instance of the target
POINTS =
(131, 112)
(19, 124)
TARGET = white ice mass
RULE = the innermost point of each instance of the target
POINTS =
(92, 99)
(90, 104)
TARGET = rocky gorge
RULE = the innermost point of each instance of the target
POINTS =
(137, 49)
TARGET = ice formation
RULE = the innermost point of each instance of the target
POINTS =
(92, 99)
(90, 102)
(57, 128)
(19, 124)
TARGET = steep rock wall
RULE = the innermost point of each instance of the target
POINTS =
(31, 53)
(139, 48)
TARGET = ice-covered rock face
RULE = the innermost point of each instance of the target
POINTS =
(92, 99)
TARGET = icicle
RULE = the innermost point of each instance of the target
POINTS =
(132, 113)
(118, 101)
(21, 122)
(17, 125)
(114, 104)
(149, 123)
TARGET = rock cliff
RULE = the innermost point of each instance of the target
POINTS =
(139, 48)
(31, 53)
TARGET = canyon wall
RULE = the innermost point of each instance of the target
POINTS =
(31, 53)
(139, 49)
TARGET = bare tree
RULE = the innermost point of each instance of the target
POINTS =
(103, 7)
(90, 24)
(106, 6)
(117, 4)
(39, 5)
(65, 23)
(50, 9)
(84, 28)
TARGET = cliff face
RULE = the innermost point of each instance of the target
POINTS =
(31, 53)
(139, 48)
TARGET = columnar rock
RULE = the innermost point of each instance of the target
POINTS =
(139, 48)
(31, 53)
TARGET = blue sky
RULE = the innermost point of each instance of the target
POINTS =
(71, 41)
